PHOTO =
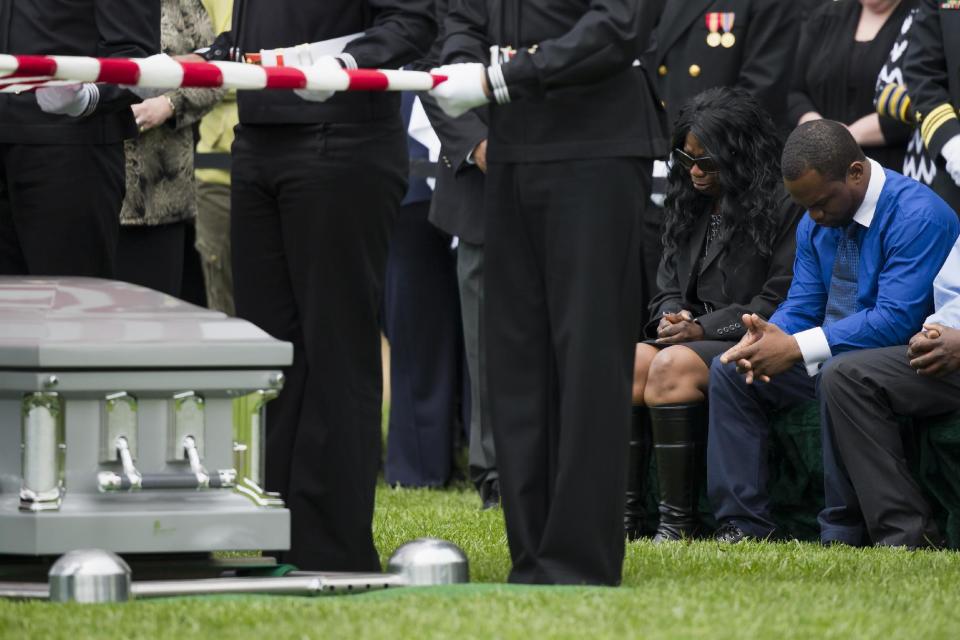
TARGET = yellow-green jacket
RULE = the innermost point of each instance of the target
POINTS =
(216, 129)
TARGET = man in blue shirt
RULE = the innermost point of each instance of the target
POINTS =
(865, 391)
(867, 253)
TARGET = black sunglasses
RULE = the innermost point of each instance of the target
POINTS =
(706, 163)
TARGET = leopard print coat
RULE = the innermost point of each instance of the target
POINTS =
(160, 181)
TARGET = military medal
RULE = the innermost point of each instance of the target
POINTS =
(713, 26)
(727, 39)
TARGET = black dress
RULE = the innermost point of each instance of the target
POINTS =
(836, 76)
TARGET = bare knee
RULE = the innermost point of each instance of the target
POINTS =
(676, 375)
(641, 364)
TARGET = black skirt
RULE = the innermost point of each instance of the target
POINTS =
(706, 349)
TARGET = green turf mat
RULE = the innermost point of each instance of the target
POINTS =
(699, 590)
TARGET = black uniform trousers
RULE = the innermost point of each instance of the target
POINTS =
(421, 319)
(561, 313)
(312, 209)
(864, 393)
(60, 209)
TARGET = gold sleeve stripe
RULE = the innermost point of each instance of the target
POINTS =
(935, 119)
(904, 107)
(883, 102)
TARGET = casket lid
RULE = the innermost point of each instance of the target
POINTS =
(88, 323)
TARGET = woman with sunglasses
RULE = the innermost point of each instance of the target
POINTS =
(729, 246)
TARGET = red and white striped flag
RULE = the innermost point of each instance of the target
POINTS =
(25, 73)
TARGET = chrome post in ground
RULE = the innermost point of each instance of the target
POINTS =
(93, 575)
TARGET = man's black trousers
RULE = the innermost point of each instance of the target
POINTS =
(60, 209)
(561, 315)
(864, 392)
(312, 209)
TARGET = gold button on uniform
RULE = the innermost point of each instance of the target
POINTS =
(662, 70)
(694, 70)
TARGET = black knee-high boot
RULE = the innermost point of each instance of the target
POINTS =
(678, 436)
(638, 467)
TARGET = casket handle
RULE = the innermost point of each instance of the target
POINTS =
(109, 482)
(197, 479)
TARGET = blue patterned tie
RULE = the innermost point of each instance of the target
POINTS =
(842, 298)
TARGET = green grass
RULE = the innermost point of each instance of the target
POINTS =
(702, 590)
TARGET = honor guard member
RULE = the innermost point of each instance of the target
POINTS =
(316, 180)
(930, 92)
(573, 128)
(61, 148)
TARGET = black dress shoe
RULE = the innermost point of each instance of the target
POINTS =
(730, 533)
(491, 496)
(667, 533)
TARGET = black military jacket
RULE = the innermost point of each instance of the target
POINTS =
(757, 55)
(396, 32)
(98, 28)
(574, 92)
(931, 72)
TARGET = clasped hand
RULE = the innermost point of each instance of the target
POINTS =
(676, 328)
(152, 113)
(935, 351)
(764, 351)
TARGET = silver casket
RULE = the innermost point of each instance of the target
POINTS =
(133, 422)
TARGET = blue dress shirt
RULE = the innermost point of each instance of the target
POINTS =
(909, 231)
(946, 292)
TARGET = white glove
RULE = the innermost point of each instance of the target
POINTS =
(325, 64)
(951, 153)
(463, 88)
(73, 100)
(158, 69)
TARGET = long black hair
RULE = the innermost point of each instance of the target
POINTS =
(740, 135)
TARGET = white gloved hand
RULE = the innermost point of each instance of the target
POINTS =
(951, 153)
(325, 64)
(463, 88)
(73, 100)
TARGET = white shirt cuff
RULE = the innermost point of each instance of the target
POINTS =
(498, 84)
(349, 62)
(814, 348)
